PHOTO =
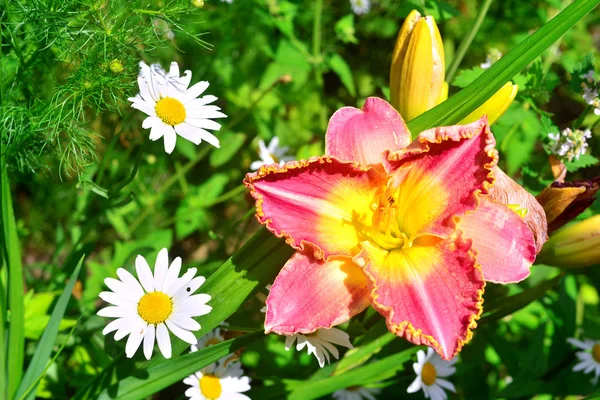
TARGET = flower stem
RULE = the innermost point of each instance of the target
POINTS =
(318, 58)
(464, 45)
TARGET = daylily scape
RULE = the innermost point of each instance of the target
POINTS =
(413, 229)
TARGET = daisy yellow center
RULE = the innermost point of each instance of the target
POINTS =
(428, 374)
(210, 387)
(275, 158)
(155, 307)
(596, 352)
(170, 110)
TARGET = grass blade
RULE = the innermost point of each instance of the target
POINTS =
(464, 102)
(44, 347)
(12, 253)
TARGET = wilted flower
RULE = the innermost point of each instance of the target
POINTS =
(116, 66)
(173, 108)
(563, 201)
(431, 370)
(163, 302)
(589, 358)
(418, 67)
(569, 144)
(223, 380)
(320, 343)
(360, 7)
(575, 246)
(493, 56)
(270, 154)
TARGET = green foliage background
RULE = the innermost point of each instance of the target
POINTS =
(86, 179)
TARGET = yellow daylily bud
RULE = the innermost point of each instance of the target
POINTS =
(495, 106)
(575, 246)
(418, 67)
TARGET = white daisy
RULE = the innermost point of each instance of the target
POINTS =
(356, 393)
(589, 358)
(173, 108)
(360, 7)
(163, 302)
(429, 368)
(218, 381)
(320, 342)
(210, 339)
(270, 154)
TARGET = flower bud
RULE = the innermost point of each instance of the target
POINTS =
(495, 106)
(418, 67)
(575, 246)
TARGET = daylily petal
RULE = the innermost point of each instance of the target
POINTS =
(440, 175)
(507, 191)
(362, 135)
(309, 294)
(430, 295)
(504, 243)
(322, 201)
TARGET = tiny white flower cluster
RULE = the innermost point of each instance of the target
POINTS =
(590, 91)
(360, 7)
(493, 56)
(569, 144)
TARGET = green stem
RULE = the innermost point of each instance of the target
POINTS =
(318, 58)
(464, 45)
(150, 206)
(579, 121)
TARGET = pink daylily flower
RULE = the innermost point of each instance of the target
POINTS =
(410, 228)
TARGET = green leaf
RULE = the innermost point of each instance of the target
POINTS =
(251, 268)
(12, 253)
(230, 144)
(371, 373)
(343, 71)
(344, 29)
(464, 102)
(584, 161)
(466, 76)
(44, 347)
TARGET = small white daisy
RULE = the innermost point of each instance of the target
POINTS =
(356, 393)
(320, 342)
(429, 368)
(218, 381)
(589, 358)
(360, 7)
(210, 339)
(270, 154)
(156, 304)
(173, 108)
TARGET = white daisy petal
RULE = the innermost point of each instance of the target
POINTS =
(182, 334)
(115, 299)
(163, 340)
(194, 306)
(204, 123)
(184, 280)
(172, 274)
(586, 345)
(117, 311)
(170, 138)
(161, 267)
(149, 341)
(192, 391)
(144, 274)
(135, 339)
(158, 131)
(208, 137)
(195, 91)
(446, 385)
(152, 122)
(130, 281)
(144, 107)
(199, 102)
(119, 323)
(184, 322)
(174, 70)
(415, 386)
(190, 288)
(188, 132)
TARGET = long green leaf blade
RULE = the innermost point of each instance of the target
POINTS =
(464, 102)
(12, 252)
(44, 347)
